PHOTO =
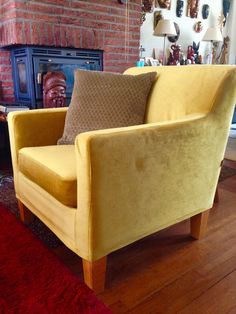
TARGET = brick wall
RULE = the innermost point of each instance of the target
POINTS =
(91, 24)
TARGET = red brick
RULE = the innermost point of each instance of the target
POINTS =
(35, 40)
(7, 84)
(100, 24)
(57, 36)
(78, 37)
(8, 98)
(20, 35)
(49, 29)
(87, 38)
(6, 77)
(98, 40)
(7, 91)
(70, 37)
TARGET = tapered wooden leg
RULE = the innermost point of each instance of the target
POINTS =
(199, 224)
(216, 199)
(95, 273)
(26, 215)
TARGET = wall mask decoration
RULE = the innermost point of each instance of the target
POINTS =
(173, 39)
(205, 11)
(226, 8)
(179, 8)
(192, 8)
(198, 27)
(147, 6)
(157, 16)
(164, 4)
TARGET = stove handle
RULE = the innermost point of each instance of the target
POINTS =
(39, 78)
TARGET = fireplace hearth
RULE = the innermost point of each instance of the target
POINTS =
(31, 63)
(103, 25)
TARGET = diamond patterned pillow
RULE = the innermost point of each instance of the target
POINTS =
(102, 100)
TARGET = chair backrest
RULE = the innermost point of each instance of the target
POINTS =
(182, 90)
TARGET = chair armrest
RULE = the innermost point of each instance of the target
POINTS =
(31, 128)
(137, 180)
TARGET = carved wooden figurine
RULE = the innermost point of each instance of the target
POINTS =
(54, 90)
(197, 57)
(192, 8)
(174, 58)
(165, 4)
(223, 56)
(190, 55)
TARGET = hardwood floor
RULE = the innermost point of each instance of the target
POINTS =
(169, 272)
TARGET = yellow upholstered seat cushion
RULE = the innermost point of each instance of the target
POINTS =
(53, 168)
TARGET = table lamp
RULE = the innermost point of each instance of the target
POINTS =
(212, 34)
(165, 28)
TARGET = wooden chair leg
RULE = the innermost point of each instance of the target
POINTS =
(26, 215)
(198, 224)
(216, 199)
(95, 273)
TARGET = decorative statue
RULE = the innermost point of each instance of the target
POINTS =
(197, 57)
(223, 56)
(190, 55)
(165, 4)
(175, 56)
(170, 60)
(179, 8)
(192, 8)
(196, 48)
(54, 90)
(215, 48)
(205, 11)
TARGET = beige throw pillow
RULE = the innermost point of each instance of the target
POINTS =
(102, 100)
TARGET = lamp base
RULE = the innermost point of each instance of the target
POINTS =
(164, 52)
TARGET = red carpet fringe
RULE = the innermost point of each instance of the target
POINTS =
(33, 280)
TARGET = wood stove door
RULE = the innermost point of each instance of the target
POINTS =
(65, 65)
(21, 73)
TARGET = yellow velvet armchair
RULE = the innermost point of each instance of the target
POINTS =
(116, 186)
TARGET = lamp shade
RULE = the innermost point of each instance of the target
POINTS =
(213, 34)
(165, 28)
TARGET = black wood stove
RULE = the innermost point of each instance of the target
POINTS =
(30, 63)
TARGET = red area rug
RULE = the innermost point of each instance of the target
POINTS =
(33, 280)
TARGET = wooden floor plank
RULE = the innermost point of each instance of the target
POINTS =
(232, 311)
(188, 287)
(224, 294)
(169, 272)
(163, 272)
